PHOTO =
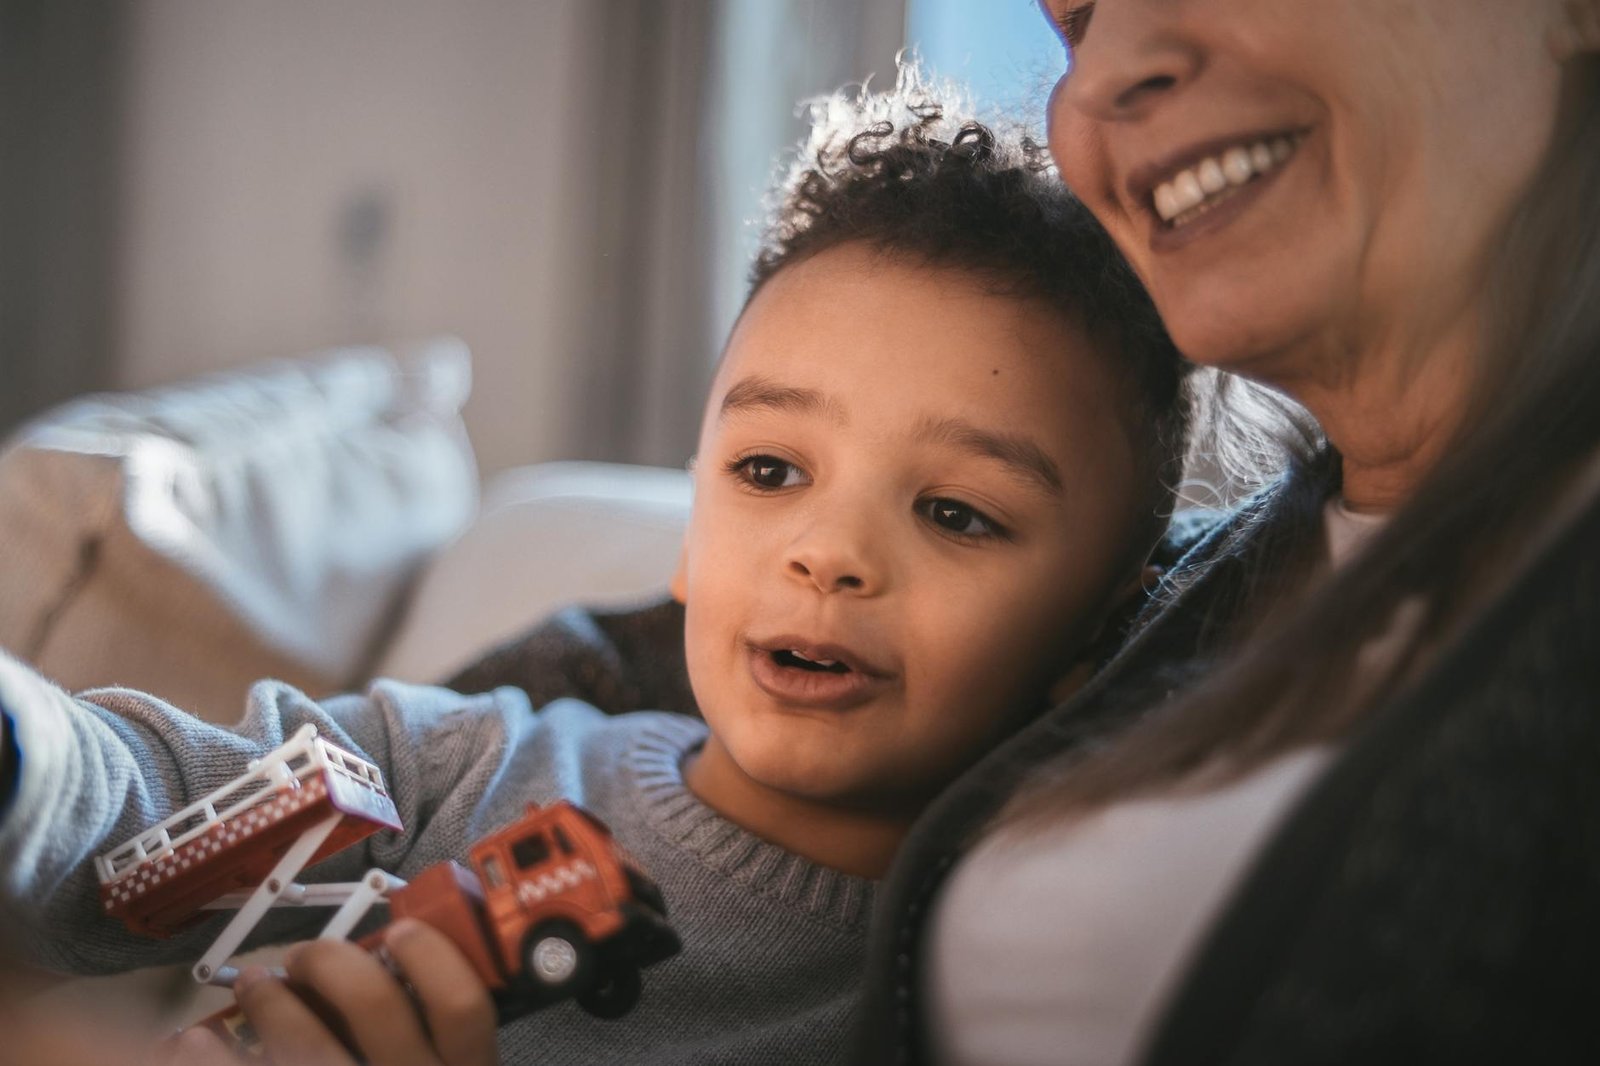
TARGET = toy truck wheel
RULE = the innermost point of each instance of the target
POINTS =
(614, 993)
(557, 960)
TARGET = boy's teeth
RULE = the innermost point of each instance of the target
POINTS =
(819, 662)
(1190, 192)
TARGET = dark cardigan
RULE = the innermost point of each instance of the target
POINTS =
(1434, 898)
(622, 659)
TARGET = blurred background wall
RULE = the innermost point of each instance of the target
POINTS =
(568, 185)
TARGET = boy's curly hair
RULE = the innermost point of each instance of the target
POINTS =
(899, 171)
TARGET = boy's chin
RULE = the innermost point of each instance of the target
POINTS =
(819, 783)
(844, 786)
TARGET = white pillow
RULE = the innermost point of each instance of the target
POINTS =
(549, 535)
(190, 540)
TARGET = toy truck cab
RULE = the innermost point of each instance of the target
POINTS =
(569, 913)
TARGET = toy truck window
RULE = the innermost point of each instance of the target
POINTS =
(530, 851)
(492, 872)
(561, 840)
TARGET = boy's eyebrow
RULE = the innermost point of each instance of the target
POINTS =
(760, 392)
(1017, 452)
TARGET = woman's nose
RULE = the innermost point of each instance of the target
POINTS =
(1134, 54)
(836, 557)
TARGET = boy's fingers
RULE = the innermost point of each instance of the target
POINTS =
(196, 1046)
(291, 1033)
(357, 991)
(452, 995)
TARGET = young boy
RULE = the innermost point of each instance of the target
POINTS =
(934, 459)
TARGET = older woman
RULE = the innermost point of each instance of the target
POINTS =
(1371, 830)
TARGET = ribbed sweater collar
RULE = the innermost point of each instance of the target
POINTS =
(803, 887)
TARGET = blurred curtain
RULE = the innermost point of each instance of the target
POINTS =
(670, 241)
(59, 64)
(679, 108)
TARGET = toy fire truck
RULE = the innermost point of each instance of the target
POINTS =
(550, 908)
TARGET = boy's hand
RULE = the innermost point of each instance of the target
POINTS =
(444, 1019)
(194, 1047)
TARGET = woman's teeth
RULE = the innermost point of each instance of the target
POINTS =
(1191, 193)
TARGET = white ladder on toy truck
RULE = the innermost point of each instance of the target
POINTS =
(302, 756)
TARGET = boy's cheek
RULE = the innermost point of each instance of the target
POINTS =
(678, 584)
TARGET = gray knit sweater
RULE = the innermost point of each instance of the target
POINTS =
(772, 942)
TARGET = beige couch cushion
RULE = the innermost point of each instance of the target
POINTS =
(600, 534)
(190, 540)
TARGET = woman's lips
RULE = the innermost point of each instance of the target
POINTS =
(1164, 238)
(1144, 179)
(820, 689)
(1193, 192)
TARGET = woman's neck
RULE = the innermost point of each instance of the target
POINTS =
(1385, 453)
(856, 841)
(1389, 411)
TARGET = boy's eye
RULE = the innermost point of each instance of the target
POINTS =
(958, 518)
(768, 472)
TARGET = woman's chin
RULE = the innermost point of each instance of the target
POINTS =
(1269, 344)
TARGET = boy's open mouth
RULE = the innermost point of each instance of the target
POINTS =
(790, 658)
(799, 672)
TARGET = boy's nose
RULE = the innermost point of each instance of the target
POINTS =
(833, 562)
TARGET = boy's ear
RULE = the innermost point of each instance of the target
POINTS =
(1108, 637)
(679, 585)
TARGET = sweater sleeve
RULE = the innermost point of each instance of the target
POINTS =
(94, 769)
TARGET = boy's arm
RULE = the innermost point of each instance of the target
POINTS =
(72, 783)
(93, 770)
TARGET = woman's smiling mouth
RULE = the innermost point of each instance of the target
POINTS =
(1193, 184)
(1194, 190)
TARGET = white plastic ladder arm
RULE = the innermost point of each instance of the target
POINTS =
(209, 969)
(374, 886)
(352, 898)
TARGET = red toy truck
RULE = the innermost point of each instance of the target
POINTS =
(551, 908)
